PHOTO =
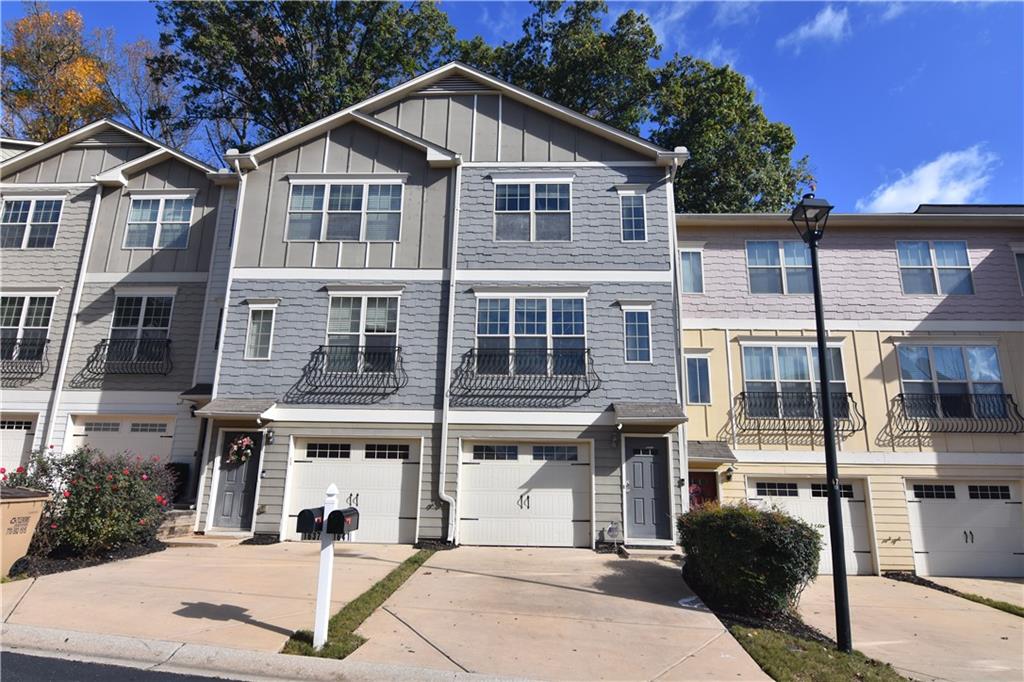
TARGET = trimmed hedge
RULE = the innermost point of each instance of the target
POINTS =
(746, 560)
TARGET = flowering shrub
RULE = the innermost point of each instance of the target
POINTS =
(98, 501)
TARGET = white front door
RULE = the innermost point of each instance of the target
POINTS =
(807, 499)
(966, 528)
(16, 433)
(143, 435)
(380, 478)
(525, 494)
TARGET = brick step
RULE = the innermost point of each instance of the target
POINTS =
(177, 523)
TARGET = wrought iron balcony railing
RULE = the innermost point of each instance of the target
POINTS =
(796, 412)
(131, 356)
(957, 413)
(357, 369)
(507, 374)
(23, 358)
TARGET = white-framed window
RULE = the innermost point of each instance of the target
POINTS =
(148, 427)
(328, 450)
(345, 212)
(259, 334)
(534, 211)
(24, 326)
(698, 380)
(362, 333)
(821, 490)
(531, 335)
(140, 326)
(776, 489)
(556, 453)
(951, 381)
(496, 453)
(691, 271)
(386, 451)
(938, 267)
(1018, 255)
(158, 222)
(989, 492)
(637, 333)
(102, 427)
(633, 209)
(30, 223)
(929, 491)
(783, 381)
(779, 267)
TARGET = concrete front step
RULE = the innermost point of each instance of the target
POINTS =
(176, 523)
(212, 541)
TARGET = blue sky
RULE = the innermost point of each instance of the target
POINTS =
(895, 103)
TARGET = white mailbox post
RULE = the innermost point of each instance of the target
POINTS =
(323, 587)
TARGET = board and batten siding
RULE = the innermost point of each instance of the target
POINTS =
(80, 162)
(216, 286)
(349, 148)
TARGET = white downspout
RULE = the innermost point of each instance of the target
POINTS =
(76, 300)
(681, 429)
(452, 268)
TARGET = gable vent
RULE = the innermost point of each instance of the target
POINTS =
(455, 84)
(110, 137)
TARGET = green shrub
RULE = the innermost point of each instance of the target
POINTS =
(746, 560)
(98, 501)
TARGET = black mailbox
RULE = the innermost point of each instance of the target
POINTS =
(310, 520)
(342, 521)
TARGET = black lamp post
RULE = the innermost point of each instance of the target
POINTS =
(809, 218)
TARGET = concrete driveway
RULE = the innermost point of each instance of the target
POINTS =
(1009, 590)
(924, 633)
(247, 597)
(552, 614)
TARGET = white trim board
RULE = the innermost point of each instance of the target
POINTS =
(532, 418)
(463, 275)
(581, 276)
(770, 457)
(381, 416)
(147, 277)
(859, 325)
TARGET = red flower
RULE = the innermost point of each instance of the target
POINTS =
(67, 494)
(156, 458)
(19, 470)
(110, 477)
(126, 472)
(145, 477)
(3, 477)
(3, 470)
(53, 525)
(97, 487)
(142, 522)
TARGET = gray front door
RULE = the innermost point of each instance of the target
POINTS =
(647, 506)
(236, 489)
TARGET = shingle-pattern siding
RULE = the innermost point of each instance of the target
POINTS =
(300, 327)
(596, 223)
(860, 277)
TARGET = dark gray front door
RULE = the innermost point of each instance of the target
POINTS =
(647, 506)
(237, 486)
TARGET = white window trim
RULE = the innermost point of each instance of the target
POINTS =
(934, 267)
(272, 307)
(934, 381)
(533, 211)
(24, 311)
(781, 267)
(633, 308)
(512, 298)
(1017, 249)
(162, 197)
(363, 180)
(815, 384)
(627, 191)
(706, 357)
(145, 296)
(62, 198)
(362, 296)
(700, 253)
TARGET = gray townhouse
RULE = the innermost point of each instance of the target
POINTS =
(106, 246)
(454, 300)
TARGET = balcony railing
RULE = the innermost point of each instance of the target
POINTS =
(23, 359)
(957, 413)
(355, 369)
(500, 376)
(131, 356)
(796, 412)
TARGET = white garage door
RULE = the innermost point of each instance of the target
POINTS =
(535, 495)
(379, 478)
(16, 433)
(966, 528)
(145, 435)
(808, 500)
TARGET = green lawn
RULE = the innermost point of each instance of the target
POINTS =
(787, 658)
(341, 630)
(994, 603)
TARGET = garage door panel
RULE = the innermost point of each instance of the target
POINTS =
(16, 434)
(144, 435)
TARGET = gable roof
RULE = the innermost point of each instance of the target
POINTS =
(446, 73)
(27, 158)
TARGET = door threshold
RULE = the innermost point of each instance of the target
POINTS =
(227, 533)
(651, 544)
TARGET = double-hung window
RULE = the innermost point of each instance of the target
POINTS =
(140, 327)
(348, 212)
(362, 334)
(951, 381)
(691, 271)
(698, 380)
(779, 267)
(634, 216)
(158, 223)
(783, 381)
(531, 336)
(24, 325)
(533, 211)
(935, 267)
(259, 335)
(637, 333)
(30, 223)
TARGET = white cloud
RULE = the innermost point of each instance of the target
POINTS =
(667, 21)
(734, 12)
(952, 178)
(893, 10)
(830, 25)
(720, 55)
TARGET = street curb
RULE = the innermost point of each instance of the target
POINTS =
(208, 661)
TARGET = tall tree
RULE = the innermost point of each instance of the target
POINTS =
(739, 160)
(566, 55)
(254, 70)
(54, 78)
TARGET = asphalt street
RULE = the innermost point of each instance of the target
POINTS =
(38, 669)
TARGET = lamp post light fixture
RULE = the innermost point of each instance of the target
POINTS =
(809, 218)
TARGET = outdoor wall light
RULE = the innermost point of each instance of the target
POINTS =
(270, 437)
(728, 473)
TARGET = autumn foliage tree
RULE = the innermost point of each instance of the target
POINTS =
(54, 79)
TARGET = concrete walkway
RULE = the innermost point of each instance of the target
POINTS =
(246, 597)
(553, 614)
(1009, 590)
(924, 633)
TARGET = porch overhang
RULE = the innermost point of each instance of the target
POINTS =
(711, 451)
(235, 408)
(665, 415)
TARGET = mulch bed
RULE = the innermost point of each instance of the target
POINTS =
(261, 539)
(436, 545)
(787, 623)
(907, 577)
(35, 566)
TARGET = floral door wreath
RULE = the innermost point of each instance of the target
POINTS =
(240, 450)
